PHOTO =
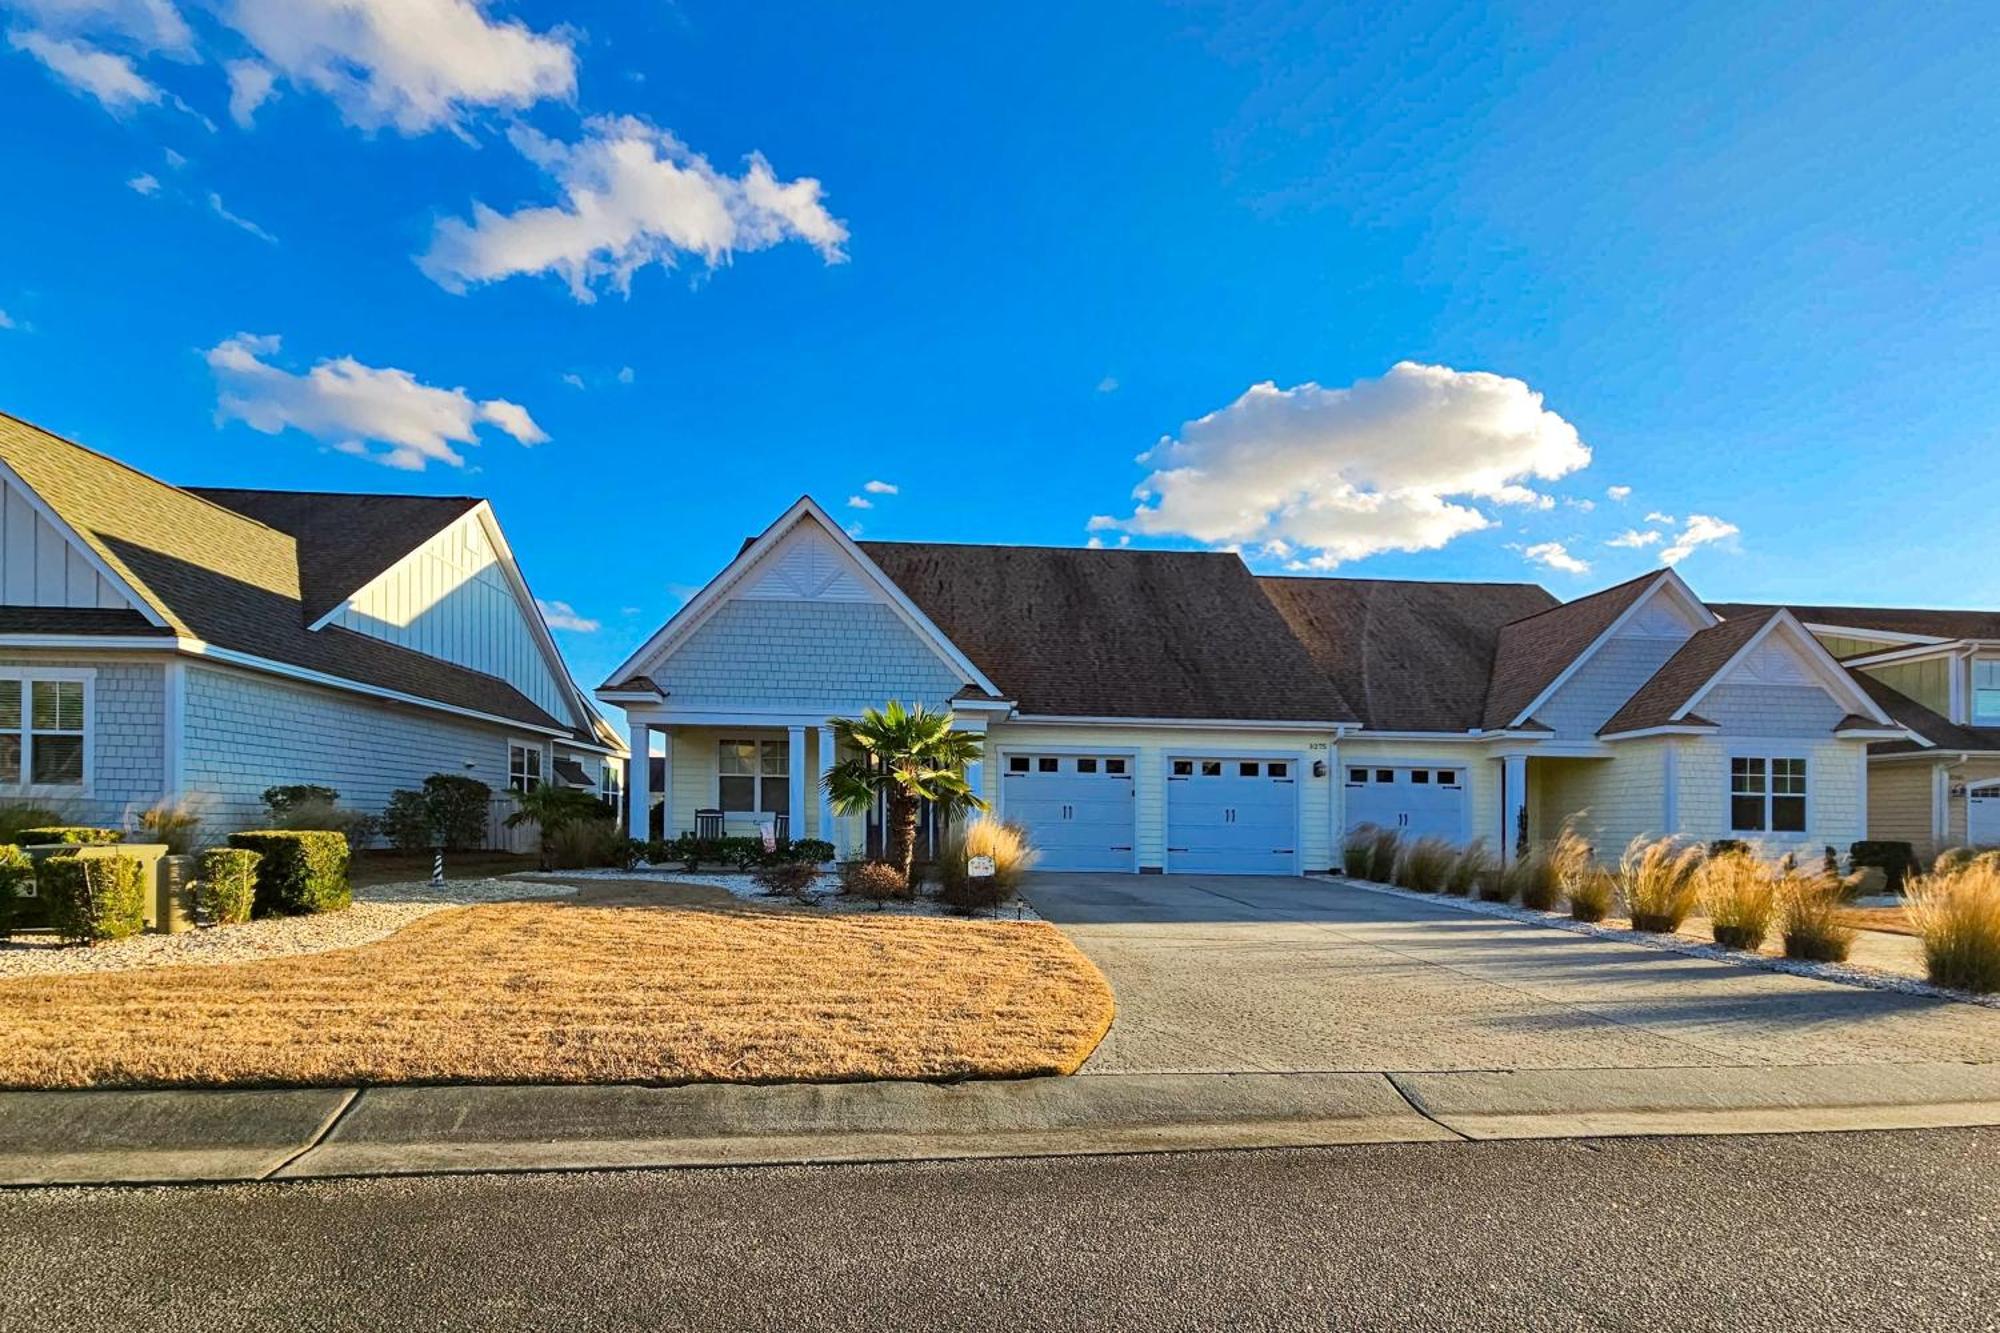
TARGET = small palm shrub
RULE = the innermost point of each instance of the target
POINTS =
(584, 843)
(1012, 857)
(1658, 879)
(16, 872)
(877, 881)
(1425, 865)
(1532, 879)
(226, 887)
(1357, 854)
(1957, 917)
(1590, 892)
(173, 823)
(1809, 911)
(1469, 869)
(94, 898)
(1740, 895)
(302, 870)
(1384, 849)
(788, 879)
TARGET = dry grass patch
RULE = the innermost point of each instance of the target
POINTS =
(581, 993)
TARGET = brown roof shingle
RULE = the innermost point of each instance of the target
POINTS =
(76, 620)
(1692, 666)
(1408, 655)
(1890, 619)
(1535, 650)
(1083, 633)
(216, 575)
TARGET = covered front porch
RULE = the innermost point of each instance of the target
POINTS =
(752, 776)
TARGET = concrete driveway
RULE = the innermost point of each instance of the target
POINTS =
(1224, 974)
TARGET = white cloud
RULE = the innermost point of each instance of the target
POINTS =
(1619, 493)
(1381, 465)
(626, 375)
(144, 183)
(149, 25)
(859, 502)
(216, 206)
(854, 531)
(112, 79)
(561, 615)
(1585, 505)
(1701, 530)
(251, 83)
(1094, 544)
(1666, 520)
(1634, 539)
(175, 160)
(354, 407)
(7, 321)
(1101, 523)
(1109, 384)
(571, 378)
(633, 195)
(882, 488)
(1556, 556)
(413, 65)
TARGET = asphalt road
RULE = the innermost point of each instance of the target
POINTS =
(1862, 1231)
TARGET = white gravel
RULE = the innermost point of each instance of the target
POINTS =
(825, 893)
(1845, 974)
(379, 910)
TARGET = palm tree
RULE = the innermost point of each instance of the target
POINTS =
(909, 755)
(552, 808)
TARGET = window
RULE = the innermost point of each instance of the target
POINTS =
(1086, 765)
(1447, 777)
(1183, 768)
(524, 766)
(752, 778)
(1211, 768)
(1385, 775)
(1357, 777)
(43, 737)
(1276, 770)
(612, 788)
(1048, 764)
(1986, 690)
(1767, 795)
(1115, 767)
(1421, 776)
(1017, 763)
(1246, 770)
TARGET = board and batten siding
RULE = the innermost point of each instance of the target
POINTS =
(1151, 747)
(451, 598)
(128, 766)
(39, 563)
(1928, 682)
(245, 732)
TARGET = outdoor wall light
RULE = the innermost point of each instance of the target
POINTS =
(1319, 768)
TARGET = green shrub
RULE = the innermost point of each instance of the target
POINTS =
(283, 800)
(788, 879)
(74, 835)
(314, 808)
(584, 843)
(16, 872)
(1357, 854)
(877, 881)
(226, 887)
(450, 811)
(18, 816)
(93, 898)
(814, 851)
(1012, 857)
(1896, 860)
(302, 871)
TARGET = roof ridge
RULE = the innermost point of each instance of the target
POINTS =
(346, 495)
(1425, 583)
(1046, 546)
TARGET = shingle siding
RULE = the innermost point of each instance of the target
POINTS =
(1602, 684)
(246, 732)
(1751, 708)
(127, 739)
(1612, 801)
(778, 655)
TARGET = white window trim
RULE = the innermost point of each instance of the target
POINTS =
(1976, 717)
(541, 763)
(26, 675)
(1769, 753)
(611, 780)
(757, 779)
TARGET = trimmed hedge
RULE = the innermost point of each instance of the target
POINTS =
(302, 871)
(93, 898)
(75, 835)
(226, 889)
(692, 853)
(16, 869)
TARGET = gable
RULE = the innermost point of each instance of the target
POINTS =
(805, 565)
(1660, 616)
(43, 564)
(451, 598)
(819, 655)
(1602, 685)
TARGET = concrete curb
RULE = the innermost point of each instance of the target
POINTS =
(113, 1137)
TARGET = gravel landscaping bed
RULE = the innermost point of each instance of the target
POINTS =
(824, 895)
(379, 910)
(1846, 974)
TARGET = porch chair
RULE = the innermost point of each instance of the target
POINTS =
(781, 828)
(708, 823)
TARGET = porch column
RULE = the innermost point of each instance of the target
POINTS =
(828, 831)
(796, 766)
(667, 829)
(1513, 802)
(637, 799)
(1336, 806)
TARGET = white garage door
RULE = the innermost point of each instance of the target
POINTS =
(1232, 817)
(1415, 801)
(1077, 808)
(1982, 816)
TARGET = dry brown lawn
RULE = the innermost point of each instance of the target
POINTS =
(1893, 920)
(585, 992)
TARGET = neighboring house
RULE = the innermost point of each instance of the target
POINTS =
(1938, 674)
(159, 642)
(1170, 711)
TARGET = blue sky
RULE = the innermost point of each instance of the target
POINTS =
(1742, 255)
